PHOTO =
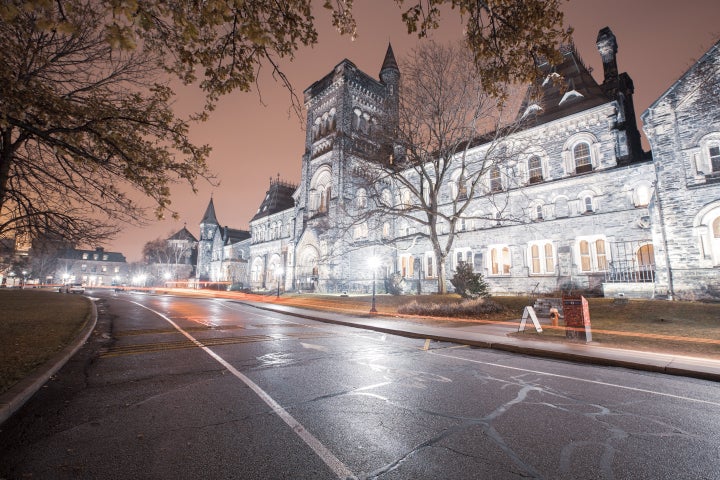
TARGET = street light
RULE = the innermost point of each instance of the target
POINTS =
(374, 263)
(278, 274)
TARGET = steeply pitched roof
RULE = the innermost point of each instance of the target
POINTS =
(209, 217)
(713, 54)
(389, 63)
(234, 235)
(278, 198)
(565, 89)
(183, 234)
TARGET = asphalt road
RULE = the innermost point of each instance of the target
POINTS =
(184, 389)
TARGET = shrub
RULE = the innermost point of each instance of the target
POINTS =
(466, 308)
(395, 284)
(469, 284)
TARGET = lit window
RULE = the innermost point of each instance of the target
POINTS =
(581, 154)
(406, 265)
(542, 258)
(593, 255)
(499, 260)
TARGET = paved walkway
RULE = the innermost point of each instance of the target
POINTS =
(492, 335)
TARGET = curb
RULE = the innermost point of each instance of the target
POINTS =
(12, 400)
(667, 365)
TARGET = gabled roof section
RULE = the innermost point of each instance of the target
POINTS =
(565, 89)
(279, 197)
(183, 234)
(713, 52)
(234, 235)
(209, 218)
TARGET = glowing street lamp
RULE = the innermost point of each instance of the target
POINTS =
(374, 263)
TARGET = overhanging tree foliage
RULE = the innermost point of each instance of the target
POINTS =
(79, 122)
(84, 107)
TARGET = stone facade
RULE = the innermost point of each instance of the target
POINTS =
(579, 205)
(683, 127)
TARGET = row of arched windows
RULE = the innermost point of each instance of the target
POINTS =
(272, 231)
(324, 125)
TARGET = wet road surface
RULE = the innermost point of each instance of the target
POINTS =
(199, 388)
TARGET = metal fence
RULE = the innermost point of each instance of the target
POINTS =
(631, 262)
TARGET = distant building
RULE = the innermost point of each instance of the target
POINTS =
(222, 252)
(91, 267)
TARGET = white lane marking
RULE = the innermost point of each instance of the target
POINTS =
(568, 377)
(320, 450)
(312, 346)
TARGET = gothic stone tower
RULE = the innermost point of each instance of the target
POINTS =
(347, 109)
(208, 228)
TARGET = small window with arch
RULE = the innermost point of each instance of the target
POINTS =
(583, 160)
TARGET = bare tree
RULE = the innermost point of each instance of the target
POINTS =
(450, 142)
(81, 125)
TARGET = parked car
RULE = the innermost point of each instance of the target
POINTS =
(76, 288)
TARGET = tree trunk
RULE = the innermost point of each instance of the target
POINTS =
(441, 272)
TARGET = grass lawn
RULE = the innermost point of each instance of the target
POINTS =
(35, 325)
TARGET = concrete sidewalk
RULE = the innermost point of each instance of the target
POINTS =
(495, 336)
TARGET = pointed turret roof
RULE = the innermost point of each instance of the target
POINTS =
(209, 217)
(389, 63)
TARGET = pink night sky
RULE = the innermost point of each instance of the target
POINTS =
(254, 137)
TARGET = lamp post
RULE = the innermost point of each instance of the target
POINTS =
(278, 273)
(374, 262)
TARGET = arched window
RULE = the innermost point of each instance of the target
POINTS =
(361, 198)
(588, 205)
(320, 191)
(539, 212)
(581, 155)
(430, 265)
(495, 180)
(535, 171)
(646, 262)
(499, 258)
(406, 265)
(592, 253)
